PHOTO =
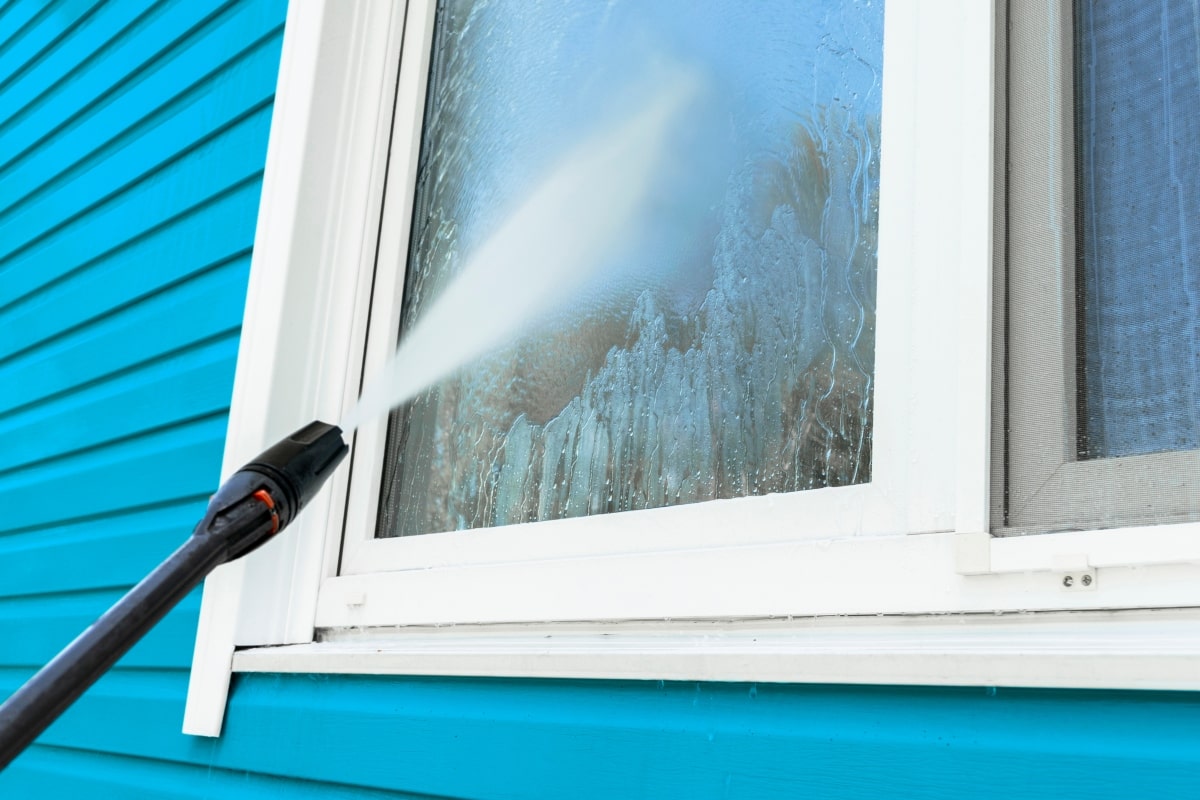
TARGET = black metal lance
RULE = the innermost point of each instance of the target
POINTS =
(257, 502)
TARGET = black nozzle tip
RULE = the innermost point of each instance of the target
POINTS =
(300, 464)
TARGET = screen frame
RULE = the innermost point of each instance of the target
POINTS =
(1047, 487)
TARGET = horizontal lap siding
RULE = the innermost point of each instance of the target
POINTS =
(133, 135)
(321, 736)
(132, 139)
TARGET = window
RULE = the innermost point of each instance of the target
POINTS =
(1103, 272)
(892, 568)
(721, 339)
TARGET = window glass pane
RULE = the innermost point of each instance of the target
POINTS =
(709, 332)
(1138, 189)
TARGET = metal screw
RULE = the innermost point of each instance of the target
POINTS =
(1068, 581)
(1087, 580)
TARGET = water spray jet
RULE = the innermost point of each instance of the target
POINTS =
(549, 250)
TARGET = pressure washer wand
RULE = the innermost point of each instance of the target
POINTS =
(257, 502)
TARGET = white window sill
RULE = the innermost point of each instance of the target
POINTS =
(1095, 650)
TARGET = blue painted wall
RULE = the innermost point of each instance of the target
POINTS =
(132, 139)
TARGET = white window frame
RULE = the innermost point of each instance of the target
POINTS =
(718, 585)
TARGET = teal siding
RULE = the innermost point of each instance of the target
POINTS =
(309, 736)
(133, 135)
(132, 139)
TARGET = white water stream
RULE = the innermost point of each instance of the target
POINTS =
(548, 250)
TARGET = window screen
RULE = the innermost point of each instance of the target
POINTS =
(1099, 412)
(722, 341)
(1137, 127)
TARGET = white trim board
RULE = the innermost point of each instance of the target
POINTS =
(900, 574)
(1127, 650)
(313, 255)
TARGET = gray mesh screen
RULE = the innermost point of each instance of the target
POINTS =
(1137, 132)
